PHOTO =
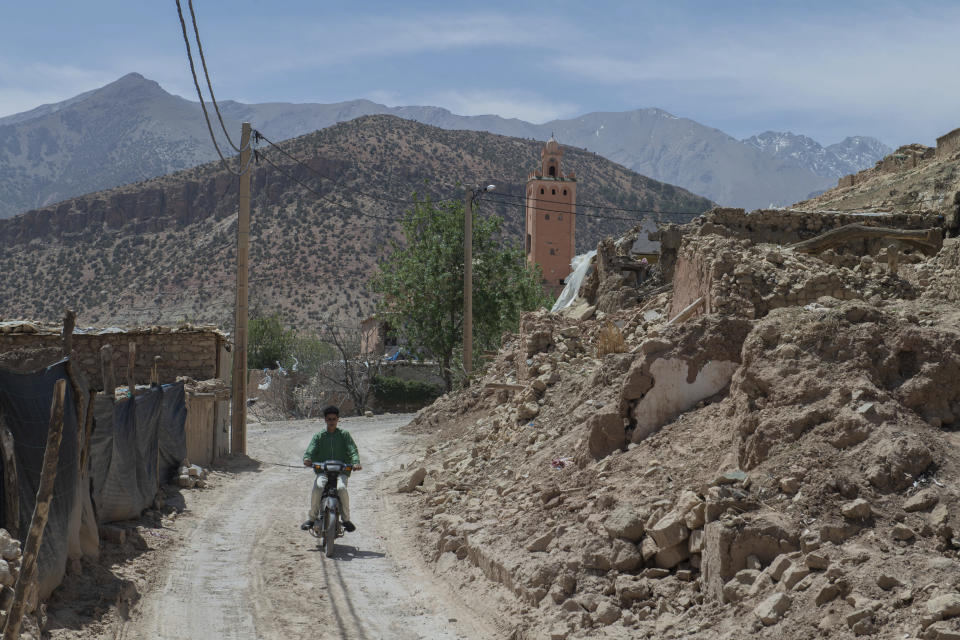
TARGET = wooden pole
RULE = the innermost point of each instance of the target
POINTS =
(131, 364)
(238, 439)
(468, 282)
(106, 370)
(11, 482)
(155, 372)
(28, 566)
(87, 433)
(69, 323)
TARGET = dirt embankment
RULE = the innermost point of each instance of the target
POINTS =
(784, 466)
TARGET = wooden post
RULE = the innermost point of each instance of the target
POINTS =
(687, 312)
(11, 481)
(131, 364)
(106, 370)
(238, 439)
(69, 323)
(155, 371)
(28, 566)
(87, 433)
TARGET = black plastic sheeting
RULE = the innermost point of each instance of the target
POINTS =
(133, 452)
(25, 401)
(173, 435)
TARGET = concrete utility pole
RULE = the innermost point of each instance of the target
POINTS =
(238, 435)
(468, 275)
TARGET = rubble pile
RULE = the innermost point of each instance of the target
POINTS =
(737, 277)
(191, 476)
(779, 461)
(940, 278)
(34, 617)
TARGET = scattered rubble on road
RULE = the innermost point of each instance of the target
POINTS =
(34, 613)
(191, 476)
(752, 440)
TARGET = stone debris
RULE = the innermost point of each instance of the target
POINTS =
(34, 612)
(783, 450)
(771, 610)
(191, 476)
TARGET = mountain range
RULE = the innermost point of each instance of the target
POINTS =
(132, 129)
(324, 210)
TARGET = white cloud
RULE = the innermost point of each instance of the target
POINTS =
(886, 68)
(27, 86)
(350, 40)
(523, 105)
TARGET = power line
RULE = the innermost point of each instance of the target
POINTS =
(206, 74)
(258, 136)
(196, 84)
(606, 207)
(320, 195)
(676, 215)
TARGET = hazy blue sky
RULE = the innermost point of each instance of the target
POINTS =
(824, 69)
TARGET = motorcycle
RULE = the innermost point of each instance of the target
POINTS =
(327, 526)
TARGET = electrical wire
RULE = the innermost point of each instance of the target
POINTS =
(206, 74)
(322, 196)
(605, 207)
(259, 136)
(656, 214)
(196, 84)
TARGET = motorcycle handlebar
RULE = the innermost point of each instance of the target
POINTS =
(321, 466)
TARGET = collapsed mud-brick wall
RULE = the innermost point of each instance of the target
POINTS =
(788, 226)
(193, 353)
(730, 262)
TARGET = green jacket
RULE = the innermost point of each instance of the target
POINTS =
(332, 446)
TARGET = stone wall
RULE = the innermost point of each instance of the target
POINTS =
(412, 371)
(788, 226)
(195, 354)
(948, 144)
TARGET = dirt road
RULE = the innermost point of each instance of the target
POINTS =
(247, 571)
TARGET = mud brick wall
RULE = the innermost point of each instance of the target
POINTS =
(412, 371)
(192, 354)
(787, 226)
(948, 144)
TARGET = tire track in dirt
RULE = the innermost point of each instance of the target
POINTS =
(247, 571)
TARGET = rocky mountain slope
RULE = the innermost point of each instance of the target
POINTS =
(132, 130)
(163, 250)
(781, 464)
(847, 156)
(124, 132)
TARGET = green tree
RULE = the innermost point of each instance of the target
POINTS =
(422, 283)
(268, 342)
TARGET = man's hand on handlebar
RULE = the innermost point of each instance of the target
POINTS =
(357, 467)
(307, 462)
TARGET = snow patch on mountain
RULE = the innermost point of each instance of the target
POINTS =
(850, 155)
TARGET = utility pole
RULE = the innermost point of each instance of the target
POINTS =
(468, 281)
(472, 194)
(238, 434)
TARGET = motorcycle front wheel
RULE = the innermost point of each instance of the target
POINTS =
(329, 531)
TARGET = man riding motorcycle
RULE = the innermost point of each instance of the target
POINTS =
(331, 444)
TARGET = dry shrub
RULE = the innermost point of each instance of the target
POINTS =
(610, 340)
